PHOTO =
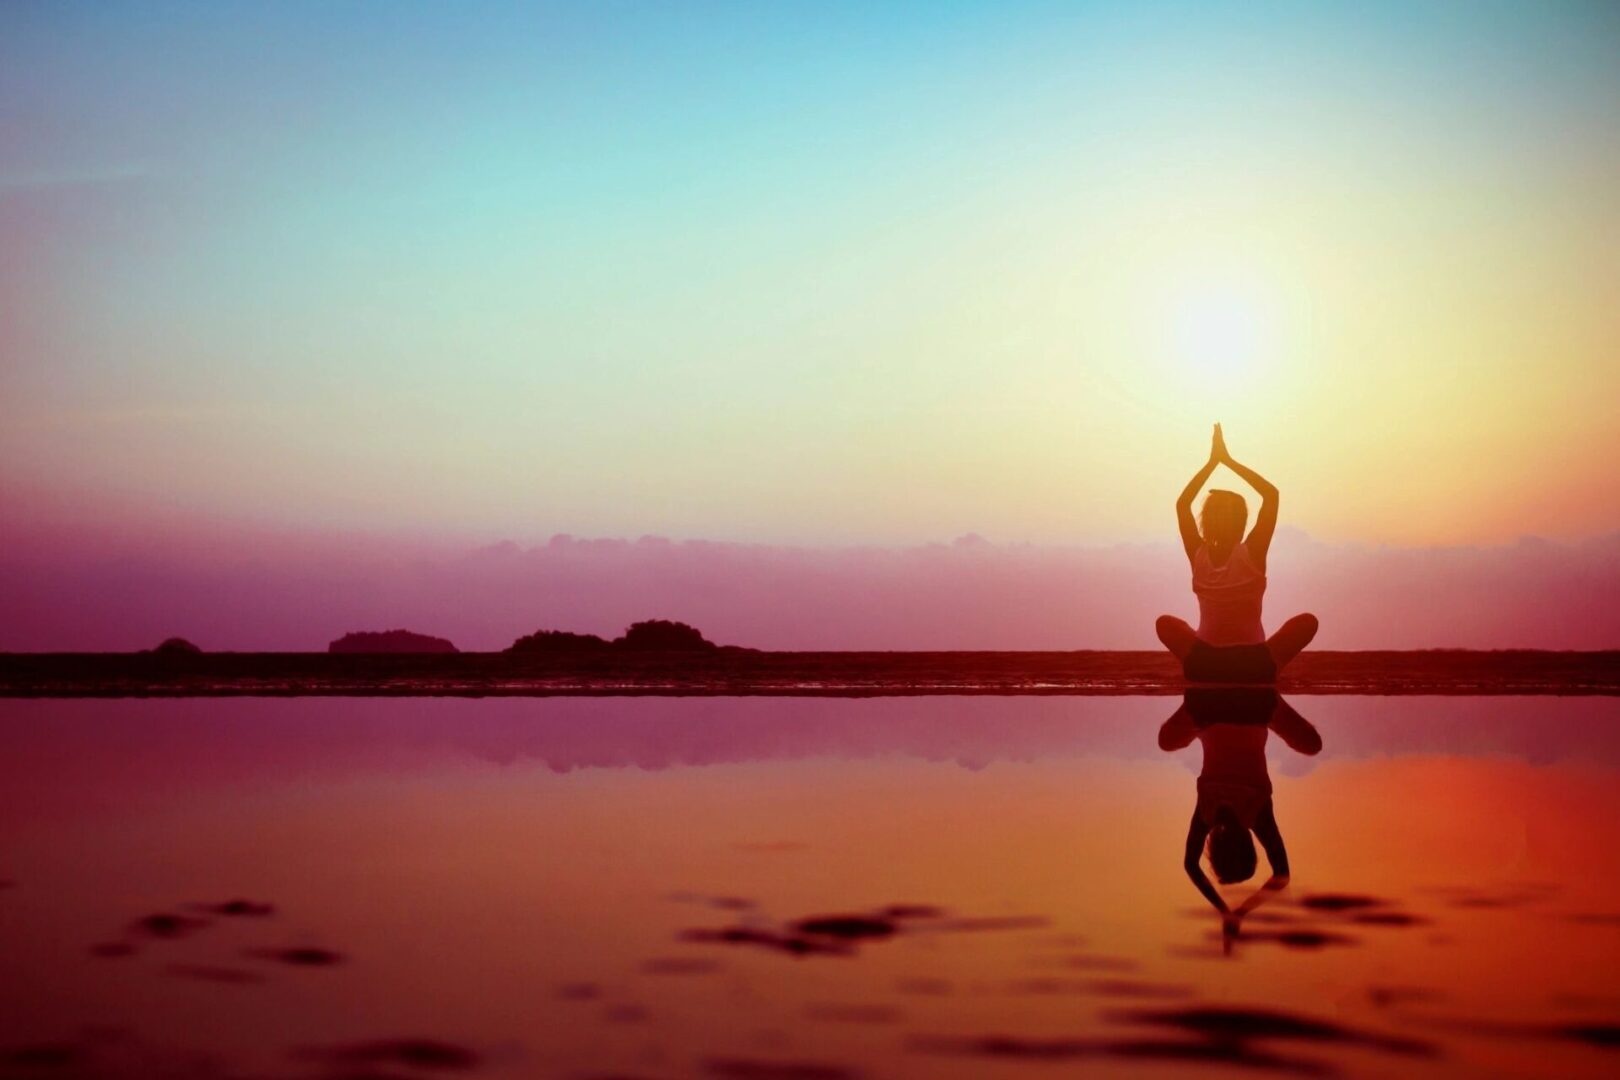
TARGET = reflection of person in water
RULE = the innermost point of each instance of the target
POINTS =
(1234, 788)
(1229, 577)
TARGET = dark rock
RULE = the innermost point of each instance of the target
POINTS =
(410, 1053)
(300, 957)
(796, 944)
(842, 934)
(42, 1056)
(165, 924)
(241, 908)
(846, 926)
(1388, 918)
(1604, 1035)
(1339, 902)
(1301, 939)
(1238, 1024)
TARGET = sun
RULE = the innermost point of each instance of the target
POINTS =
(1207, 337)
(1221, 332)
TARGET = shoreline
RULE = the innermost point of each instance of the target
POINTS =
(732, 672)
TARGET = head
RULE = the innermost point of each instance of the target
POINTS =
(1223, 518)
(1231, 849)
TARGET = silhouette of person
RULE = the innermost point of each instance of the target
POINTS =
(1234, 789)
(1229, 578)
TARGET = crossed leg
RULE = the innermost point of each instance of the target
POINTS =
(1288, 642)
(1177, 636)
(1291, 638)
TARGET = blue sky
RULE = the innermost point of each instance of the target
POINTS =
(810, 272)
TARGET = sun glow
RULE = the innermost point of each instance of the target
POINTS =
(1222, 333)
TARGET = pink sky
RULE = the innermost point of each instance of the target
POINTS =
(111, 584)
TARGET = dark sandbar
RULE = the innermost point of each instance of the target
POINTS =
(747, 672)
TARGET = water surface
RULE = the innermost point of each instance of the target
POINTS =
(804, 888)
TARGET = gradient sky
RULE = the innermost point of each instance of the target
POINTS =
(812, 273)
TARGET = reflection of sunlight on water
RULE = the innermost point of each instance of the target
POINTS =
(725, 886)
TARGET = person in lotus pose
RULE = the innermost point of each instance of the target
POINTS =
(1229, 578)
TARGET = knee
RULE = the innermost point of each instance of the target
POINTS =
(1174, 634)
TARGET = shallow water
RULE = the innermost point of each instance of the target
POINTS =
(794, 888)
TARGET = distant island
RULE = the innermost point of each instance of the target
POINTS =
(650, 635)
(176, 646)
(390, 641)
(557, 642)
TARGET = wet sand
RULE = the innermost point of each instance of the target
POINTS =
(737, 672)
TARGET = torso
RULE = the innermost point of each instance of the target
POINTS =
(1229, 598)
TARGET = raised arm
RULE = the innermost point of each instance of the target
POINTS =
(1184, 515)
(1265, 524)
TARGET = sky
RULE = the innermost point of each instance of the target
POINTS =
(248, 590)
(806, 275)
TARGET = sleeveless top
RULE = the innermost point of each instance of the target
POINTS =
(1229, 598)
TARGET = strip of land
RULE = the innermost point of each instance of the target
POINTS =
(725, 672)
